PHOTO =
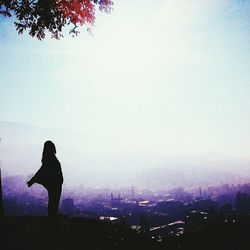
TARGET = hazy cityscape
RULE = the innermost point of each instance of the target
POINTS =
(161, 213)
(126, 131)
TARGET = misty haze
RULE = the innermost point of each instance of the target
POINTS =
(91, 161)
(147, 115)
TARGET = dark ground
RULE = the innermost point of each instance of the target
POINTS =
(33, 233)
(70, 233)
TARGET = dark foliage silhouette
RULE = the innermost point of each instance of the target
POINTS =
(41, 16)
(50, 176)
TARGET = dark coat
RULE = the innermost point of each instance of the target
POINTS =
(50, 174)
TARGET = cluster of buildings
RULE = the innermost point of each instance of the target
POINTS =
(158, 214)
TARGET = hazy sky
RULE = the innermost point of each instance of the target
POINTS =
(162, 77)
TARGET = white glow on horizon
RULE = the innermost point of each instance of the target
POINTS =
(159, 80)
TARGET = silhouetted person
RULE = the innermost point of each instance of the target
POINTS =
(50, 176)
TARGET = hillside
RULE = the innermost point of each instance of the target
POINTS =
(75, 233)
(87, 234)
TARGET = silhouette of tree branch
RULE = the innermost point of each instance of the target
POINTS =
(40, 17)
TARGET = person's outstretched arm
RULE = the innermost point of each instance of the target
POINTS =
(37, 177)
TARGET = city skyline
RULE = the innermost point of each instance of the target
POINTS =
(168, 83)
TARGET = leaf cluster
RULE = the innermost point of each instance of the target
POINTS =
(40, 17)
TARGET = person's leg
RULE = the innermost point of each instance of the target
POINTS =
(50, 203)
(54, 195)
(57, 196)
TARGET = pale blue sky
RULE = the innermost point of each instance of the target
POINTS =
(167, 78)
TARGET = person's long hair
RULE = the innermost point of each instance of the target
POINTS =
(49, 151)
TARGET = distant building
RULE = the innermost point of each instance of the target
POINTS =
(113, 220)
(68, 206)
(174, 228)
(1, 197)
(195, 219)
(132, 192)
(144, 225)
(200, 192)
(116, 201)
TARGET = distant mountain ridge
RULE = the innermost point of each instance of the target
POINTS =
(21, 148)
